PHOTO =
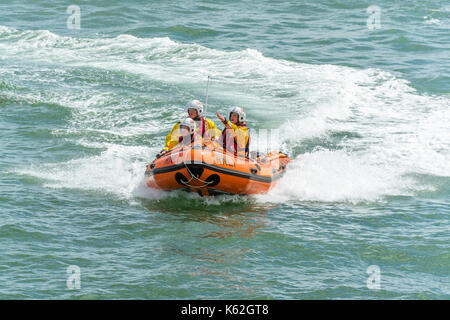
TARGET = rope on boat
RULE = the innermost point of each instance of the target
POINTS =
(206, 183)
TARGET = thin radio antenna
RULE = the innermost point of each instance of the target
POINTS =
(206, 99)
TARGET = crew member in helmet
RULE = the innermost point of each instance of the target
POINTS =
(235, 136)
(204, 126)
(187, 131)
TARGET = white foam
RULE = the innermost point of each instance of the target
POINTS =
(429, 20)
(396, 131)
(335, 176)
(117, 170)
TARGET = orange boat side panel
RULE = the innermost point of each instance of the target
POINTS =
(208, 167)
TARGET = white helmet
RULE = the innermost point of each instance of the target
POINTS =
(195, 104)
(188, 122)
(239, 111)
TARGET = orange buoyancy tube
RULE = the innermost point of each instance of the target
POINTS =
(212, 170)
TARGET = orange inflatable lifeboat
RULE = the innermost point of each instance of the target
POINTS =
(208, 169)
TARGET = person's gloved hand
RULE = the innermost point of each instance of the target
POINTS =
(159, 155)
(221, 118)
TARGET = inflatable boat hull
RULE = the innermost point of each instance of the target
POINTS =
(208, 170)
